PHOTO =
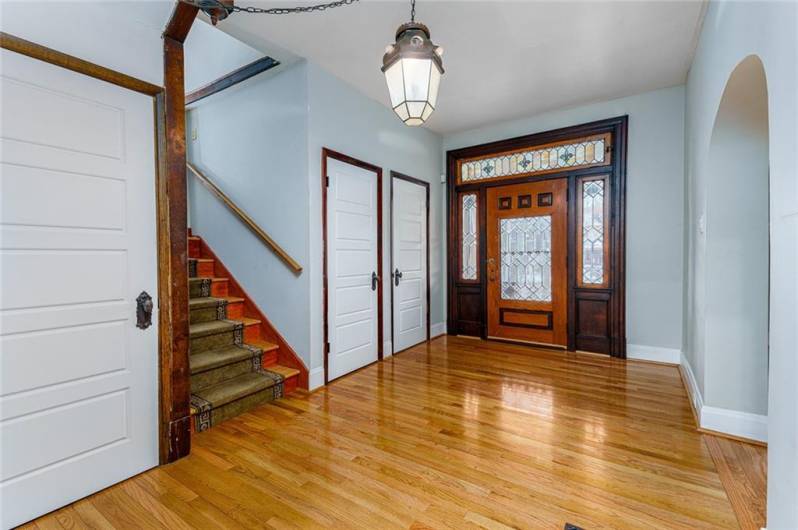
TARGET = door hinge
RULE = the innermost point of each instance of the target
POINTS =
(327, 181)
(327, 347)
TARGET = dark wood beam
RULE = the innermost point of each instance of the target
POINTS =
(233, 78)
(172, 244)
(48, 55)
(180, 22)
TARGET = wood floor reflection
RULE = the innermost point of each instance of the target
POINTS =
(458, 433)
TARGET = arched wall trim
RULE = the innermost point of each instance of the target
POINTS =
(735, 248)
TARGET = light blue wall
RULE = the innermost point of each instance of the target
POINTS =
(210, 53)
(344, 120)
(121, 36)
(655, 203)
(252, 140)
(731, 32)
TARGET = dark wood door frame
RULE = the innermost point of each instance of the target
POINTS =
(419, 182)
(613, 296)
(326, 154)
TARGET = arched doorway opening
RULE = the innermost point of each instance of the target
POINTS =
(738, 249)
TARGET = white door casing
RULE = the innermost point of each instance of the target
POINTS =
(409, 268)
(352, 310)
(78, 379)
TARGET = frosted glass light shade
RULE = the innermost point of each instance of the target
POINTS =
(413, 87)
(413, 72)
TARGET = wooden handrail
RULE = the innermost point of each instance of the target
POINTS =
(247, 220)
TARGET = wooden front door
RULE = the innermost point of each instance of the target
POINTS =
(527, 262)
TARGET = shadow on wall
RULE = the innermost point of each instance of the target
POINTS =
(738, 246)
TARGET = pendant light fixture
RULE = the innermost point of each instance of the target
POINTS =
(413, 70)
(412, 65)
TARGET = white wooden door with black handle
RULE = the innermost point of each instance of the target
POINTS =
(409, 251)
(352, 274)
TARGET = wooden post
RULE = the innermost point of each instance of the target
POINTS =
(172, 246)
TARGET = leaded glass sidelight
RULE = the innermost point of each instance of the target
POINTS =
(593, 232)
(469, 237)
(525, 250)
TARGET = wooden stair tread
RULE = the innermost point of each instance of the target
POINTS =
(232, 299)
(201, 260)
(203, 301)
(194, 238)
(236, 388)
(210, 359)
(201, 278)
(212, 301)
(202, 329)
(247, 321)
(284, 371)
(263, 345)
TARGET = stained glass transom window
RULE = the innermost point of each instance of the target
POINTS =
(469, 237)
(586, 152)
(593, 232)
(526, 258)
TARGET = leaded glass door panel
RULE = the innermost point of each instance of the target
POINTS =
(527, 265)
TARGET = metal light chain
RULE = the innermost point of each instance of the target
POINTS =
(289, 10)
(412, 10)
(211, 4)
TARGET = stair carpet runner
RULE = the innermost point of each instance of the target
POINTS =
(226, 355)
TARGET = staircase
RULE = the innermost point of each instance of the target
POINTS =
(234, 368)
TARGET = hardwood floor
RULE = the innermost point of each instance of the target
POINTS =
(458, 433)
(743, 471)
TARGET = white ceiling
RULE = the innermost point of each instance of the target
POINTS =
(503, 60)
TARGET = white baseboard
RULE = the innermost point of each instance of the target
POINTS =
(736, 423)
(653, 353)
(733, 422)
(436, 330)
(316, 378)
(691, 385)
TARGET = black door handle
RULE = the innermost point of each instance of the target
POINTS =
(374, 280)
(143, 310)
(396, 276)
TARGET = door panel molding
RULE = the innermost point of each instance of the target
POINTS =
(327, 154)
(525, 318)
(425, 185)
(464, 317)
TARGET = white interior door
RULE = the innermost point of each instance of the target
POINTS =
(409, 273)
(351, 265)
(78, 379)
